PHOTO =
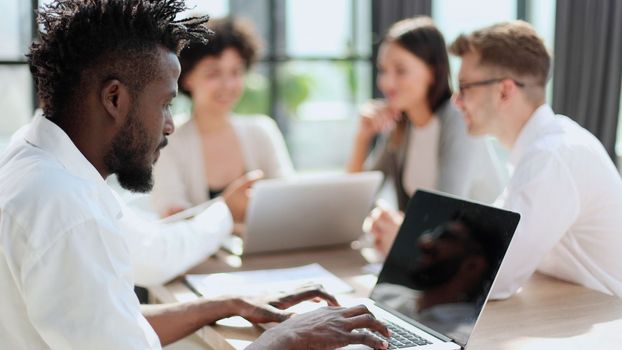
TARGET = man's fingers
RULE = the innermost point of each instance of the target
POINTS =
(368, 321)
(379, 213)
(363, 318)
(322, 294)
(279, 315)
(379, 227)
(370, 220)
(387, 222)
(308, 293)
(385, 215)
(265, 315)
(367, 339)
(355, 311)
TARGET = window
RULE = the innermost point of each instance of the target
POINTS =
(17, 107)
(313, 73)
(15, 97)
(541, 14)
(215, 8)
(455, 17)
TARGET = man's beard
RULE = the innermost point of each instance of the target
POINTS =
(436, 274)
(129, 154)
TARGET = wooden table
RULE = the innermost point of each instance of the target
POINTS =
(547, 314)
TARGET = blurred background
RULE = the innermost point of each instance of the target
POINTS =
(317, 64)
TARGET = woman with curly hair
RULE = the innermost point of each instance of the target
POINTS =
(216, 147)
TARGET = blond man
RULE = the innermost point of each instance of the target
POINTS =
(564, 185)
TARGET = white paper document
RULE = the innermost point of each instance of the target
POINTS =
(260, 282)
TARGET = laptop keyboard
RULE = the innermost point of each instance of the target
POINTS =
(400, 337)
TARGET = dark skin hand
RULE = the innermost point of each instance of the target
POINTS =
(324, 329)
(270, 309)
(175, 321)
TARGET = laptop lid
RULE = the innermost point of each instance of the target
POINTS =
(443, 262)
(308, 210)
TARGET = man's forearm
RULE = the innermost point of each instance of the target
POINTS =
(172, 322)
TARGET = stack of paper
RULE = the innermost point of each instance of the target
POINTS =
(261, 282)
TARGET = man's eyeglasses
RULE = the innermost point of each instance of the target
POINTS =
(464, 86)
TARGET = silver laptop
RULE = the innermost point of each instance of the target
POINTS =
(308, 211)
(439, 272)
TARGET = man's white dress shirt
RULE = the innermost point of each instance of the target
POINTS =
(569, 195)
(163, 250)
(65, 267)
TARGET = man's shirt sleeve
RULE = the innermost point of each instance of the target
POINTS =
(162, 251)
(544, 193)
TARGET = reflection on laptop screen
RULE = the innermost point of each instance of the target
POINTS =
(443, 262)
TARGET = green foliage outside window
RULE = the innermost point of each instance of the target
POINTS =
(294, 89)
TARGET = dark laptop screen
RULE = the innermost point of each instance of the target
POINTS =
(443, 262)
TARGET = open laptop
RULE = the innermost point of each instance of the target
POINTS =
(307, 211)
(439, 272)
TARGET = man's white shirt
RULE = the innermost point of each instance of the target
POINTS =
(67, 281)
(162, 250)
(569, 195)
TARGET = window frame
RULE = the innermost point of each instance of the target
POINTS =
(34, 30)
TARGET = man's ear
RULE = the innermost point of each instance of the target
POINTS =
(508, 88)
(116, 99)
